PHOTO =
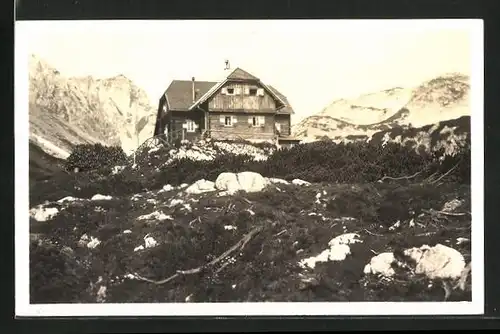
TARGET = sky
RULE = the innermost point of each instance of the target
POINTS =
(312, 62)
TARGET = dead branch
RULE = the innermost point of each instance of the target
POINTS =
(375, 234)
(280, 233)
(239, 245)
(400, 178)
(447, 173)
(455, 214)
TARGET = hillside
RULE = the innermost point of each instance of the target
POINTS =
(65, 111)
(219, 222)
(440, 99)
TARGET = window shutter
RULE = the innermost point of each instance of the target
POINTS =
(222, 120)
(260, 92)
(234, 120)
(223, 91)
(247, 91)
(250, 120)
(262, 120)
(237, 91)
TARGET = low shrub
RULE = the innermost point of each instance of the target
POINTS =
(86, 157)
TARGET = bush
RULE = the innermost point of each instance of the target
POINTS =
(90, 157)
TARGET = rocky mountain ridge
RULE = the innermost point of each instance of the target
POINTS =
(441, 99)
(65, 111)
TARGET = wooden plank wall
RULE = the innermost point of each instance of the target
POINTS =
(241, 101)
(241, 128)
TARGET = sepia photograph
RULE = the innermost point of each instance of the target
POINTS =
(249, 167)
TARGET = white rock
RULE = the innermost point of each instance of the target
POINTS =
(138, 248)
(99, 197)
(156, 215)
(437, 262)
(252, 182)
(94, 242)
(201, 186)
(381, 264)
(227, 182)
(167, 187)
(176, 201)
(42, 214)
(229, 227)
(345, 239)
(395, 226)
(127, 231)
(250, 212)
(117, 169)
(245, 181)
(338, 251)
(462, 240)
(276, 180)
(184, 185)
(68, 199)
(101, 294)
(452, 205)
(149, 242)
(299, 182)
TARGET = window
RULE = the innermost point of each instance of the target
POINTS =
(252, 92)
(256, 120)
(228, 121)
(230, 91)
(190, 126)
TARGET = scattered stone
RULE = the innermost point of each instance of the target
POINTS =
(68, 199)
(276, 180)
(93, 243)
(452, 205)
(42, 214)
(462, 240)
(338, 251)
(167, 187)
(201, 186)
(149, 242)
(299, 182)
(99, 197)
(138, 248)
(381, 264)
(230, 227)
(127, 231)
(117, 169)
(156, 215)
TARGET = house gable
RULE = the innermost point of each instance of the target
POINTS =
(179, 94)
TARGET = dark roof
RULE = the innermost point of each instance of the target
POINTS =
(238, 73)
(180, 96)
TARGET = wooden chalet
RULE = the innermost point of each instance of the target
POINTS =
(239, 107)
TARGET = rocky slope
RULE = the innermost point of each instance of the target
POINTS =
(65, 111)
(440, 99)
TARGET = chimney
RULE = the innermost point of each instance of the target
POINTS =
(193, 91)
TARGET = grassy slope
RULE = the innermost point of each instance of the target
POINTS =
(266, 269)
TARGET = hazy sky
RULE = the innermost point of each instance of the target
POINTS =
(311, 62)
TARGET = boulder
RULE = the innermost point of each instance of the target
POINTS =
(434, 262)
(246, 181)
(252, 182)
(437, 262)
(201, 186)
(381, 264)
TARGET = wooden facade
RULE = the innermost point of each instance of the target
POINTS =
(240, 107)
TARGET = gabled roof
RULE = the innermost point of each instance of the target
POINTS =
(239, 74)
(179, 94)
